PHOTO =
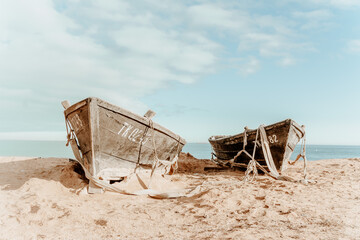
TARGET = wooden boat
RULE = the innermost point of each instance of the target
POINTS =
(113, 141)
(282, 137)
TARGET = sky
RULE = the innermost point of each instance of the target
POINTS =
(205, 67)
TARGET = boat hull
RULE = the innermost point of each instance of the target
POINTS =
(111, 138)
(282, 137)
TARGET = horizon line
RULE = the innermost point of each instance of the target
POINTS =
(61, 136)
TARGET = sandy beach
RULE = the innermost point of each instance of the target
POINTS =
(41, 198)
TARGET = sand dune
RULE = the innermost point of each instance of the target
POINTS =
(41, 198)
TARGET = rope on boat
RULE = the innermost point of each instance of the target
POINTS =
(302, 155)
(251, 171)
(146, 191)
(251, 168)
(169, 167)
(141, 143)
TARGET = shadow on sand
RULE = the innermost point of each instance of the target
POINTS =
(15, 174)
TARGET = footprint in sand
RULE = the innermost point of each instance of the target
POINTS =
(260, 197)
(34, 209)
(264, 186)
(101, 222)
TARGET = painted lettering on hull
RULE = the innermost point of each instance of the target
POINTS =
(133, 134)
(273, 139)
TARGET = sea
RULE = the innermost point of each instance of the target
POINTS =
(198, 150)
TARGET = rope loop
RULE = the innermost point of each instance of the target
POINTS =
(251, 171)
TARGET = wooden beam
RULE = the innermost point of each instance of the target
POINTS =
(149, 114)
(65, 104)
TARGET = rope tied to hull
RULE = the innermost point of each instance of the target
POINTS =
(141, 144)
(251, 170)
(169, 167)
(69, 132)
(302, 155)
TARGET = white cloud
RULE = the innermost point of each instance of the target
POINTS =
(57, 55)
(272, 45)
(268, 36)
(170, 49)
(316, 19)
(315, 14)
(211, 15)
(267, 44)
(354, 46)
(341, 3)
(123, 50)
(250, 66)
(287, 61)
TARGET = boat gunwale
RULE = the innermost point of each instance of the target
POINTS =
(225, 138)
(299, 128)
(125, 113)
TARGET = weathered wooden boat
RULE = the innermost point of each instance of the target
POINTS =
(110, 141)
(282, 138)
